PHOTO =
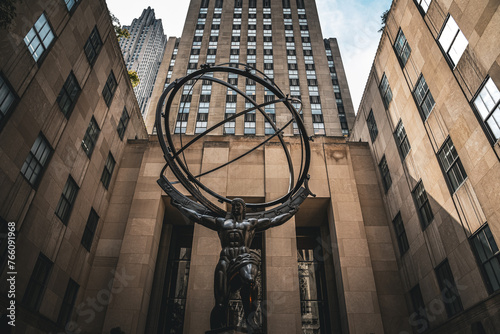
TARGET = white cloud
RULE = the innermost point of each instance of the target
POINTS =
(355, 24)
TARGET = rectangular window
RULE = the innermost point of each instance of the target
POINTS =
(449, 292)
(385, 91)
(108, 170)
(400, 231)
(424, 98)
(93, 46)
(424, 4)
(372, 126)
(37, 283)
(403, 50)
(423, 206)
(7, 100)
(488, 256)
(109, 89)
(90, 228)
(384, 172)
(68, 95)
(39, 37)
(487, 104)
(90, 138)
(37, 160)
(402, 140)
(70, 4)
(453, 41)
(452, 166)
(67, 200)
(68, 303)
(122, 124)
(312, 282)
(419, 316)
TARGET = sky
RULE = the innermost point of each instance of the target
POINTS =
(355, 24)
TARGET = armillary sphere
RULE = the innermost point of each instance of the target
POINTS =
(174, 156)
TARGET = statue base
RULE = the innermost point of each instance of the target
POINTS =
(231, 330)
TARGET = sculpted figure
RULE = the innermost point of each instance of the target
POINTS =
(238, 266)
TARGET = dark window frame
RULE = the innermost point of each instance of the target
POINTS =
(402, 48)
(67, 200)
(426, 99)
(93, 46)
(90, 138)
(123, 123)
(449, 292)
(37, 157)
(35, 290)
(372, 126)
(454, 171)
(68, 303)
(107, 172)
(486, 251)
(400, 231)
(496, 109)
(385, 91)
(109, 89)
(423, 206)
(402, 142)
(46, 48)
(385, 173)
(70, 92)
(90, 229)
(10, 94)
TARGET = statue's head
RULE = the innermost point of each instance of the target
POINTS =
(238, 208)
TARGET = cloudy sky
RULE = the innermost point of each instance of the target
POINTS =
(355, 23)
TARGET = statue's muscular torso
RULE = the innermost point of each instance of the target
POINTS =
(236, 237)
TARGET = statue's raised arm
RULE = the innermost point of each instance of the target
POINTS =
(265, 223)
(205, 220)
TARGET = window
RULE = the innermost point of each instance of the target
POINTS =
(37, 283)
(67, 200)
(384, 172)
(108, 170)
(400, 231)
(403, 50)
(312, 282)
(453, 41)
(70, 4)
(90, 138)
(37, 160)
(487, 104)
(423, 206)
(424, 98)
(90, 228)
(372, 126)
(419, 317)
(7, 100)
(109, 89)
(68, 95)
(39, 37)
(402, 140)
(424, 4)
(452, 166)
(68, 303)
(487, 254)
(449, 293)
(122, 124)
(385, 91)
(93, 46)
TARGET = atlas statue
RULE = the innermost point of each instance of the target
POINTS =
(238, 265)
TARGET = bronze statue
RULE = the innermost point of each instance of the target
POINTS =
(238, 266)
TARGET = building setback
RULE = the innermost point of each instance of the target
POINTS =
(100, 247)
(431, 117)
(143, 52)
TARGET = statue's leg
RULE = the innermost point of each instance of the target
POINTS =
(219, 315)
(249, 294)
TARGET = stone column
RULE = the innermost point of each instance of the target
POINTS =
(282, 299)
(136, 263)
(353, 267)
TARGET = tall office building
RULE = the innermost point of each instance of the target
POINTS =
(430, 113)
(387, 245)
(143, 52)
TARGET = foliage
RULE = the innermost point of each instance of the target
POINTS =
(134, 78)
(7, 12)
(119, 31)
(383, 17)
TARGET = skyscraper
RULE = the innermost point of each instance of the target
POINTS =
(143, 52)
